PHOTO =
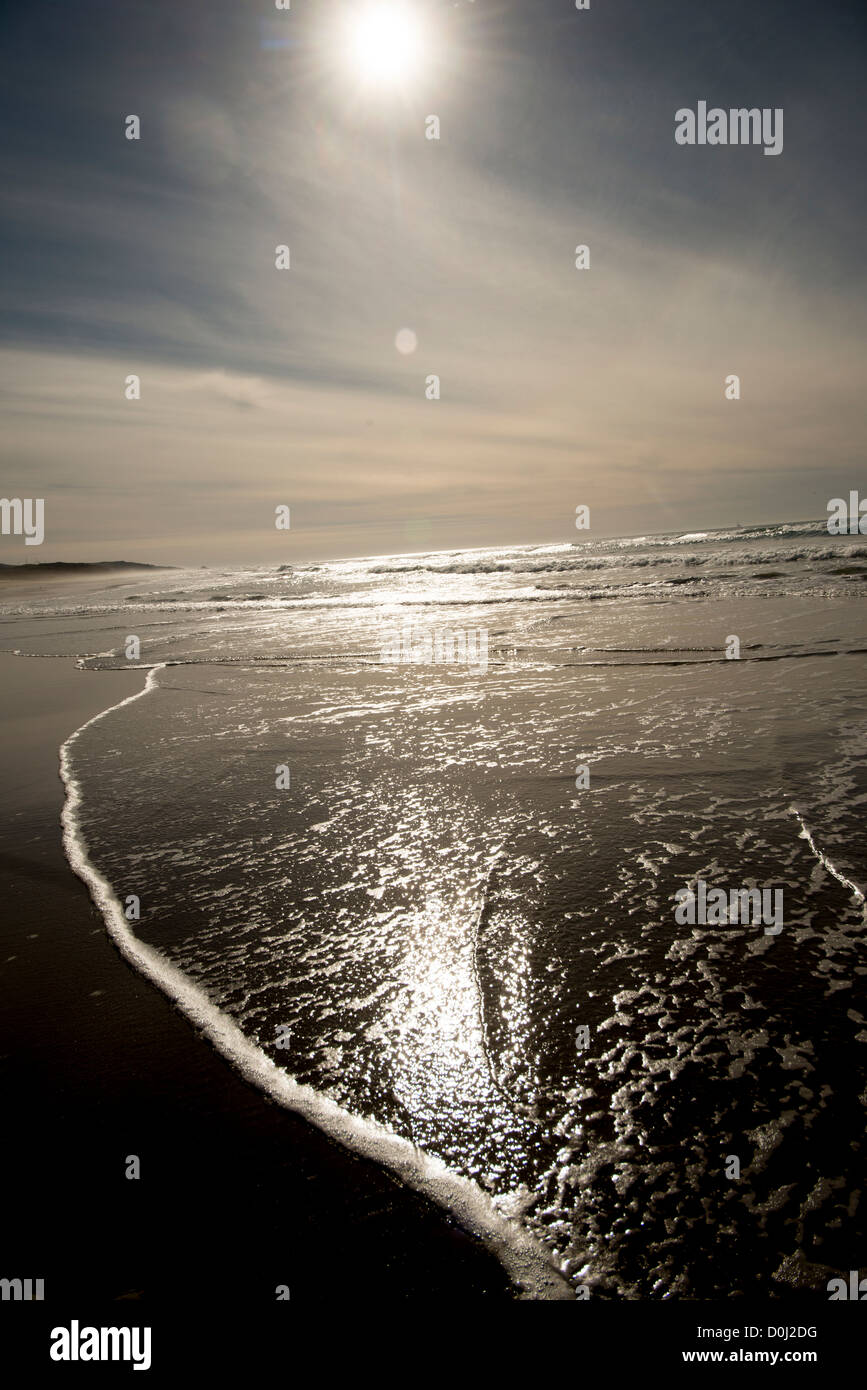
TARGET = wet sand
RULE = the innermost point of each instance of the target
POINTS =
(95, 1065)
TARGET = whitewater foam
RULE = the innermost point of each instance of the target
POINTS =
(806, 834)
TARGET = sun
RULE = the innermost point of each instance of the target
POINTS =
(386, 42)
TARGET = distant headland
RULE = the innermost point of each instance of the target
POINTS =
(73, 567)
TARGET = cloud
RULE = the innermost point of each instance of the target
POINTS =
(245, 391)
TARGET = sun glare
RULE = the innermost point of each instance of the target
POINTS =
(386, 42)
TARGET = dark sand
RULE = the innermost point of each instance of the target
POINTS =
(237, 1195)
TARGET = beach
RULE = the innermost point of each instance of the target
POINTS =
(236, 1196)
(382, 921)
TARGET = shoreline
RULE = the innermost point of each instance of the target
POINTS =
(97, 1064)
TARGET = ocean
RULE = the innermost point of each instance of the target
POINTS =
(430, 905)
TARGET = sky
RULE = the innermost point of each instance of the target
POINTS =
(263, 387)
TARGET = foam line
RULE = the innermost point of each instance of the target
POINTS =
(826, 862)
(527, 1262)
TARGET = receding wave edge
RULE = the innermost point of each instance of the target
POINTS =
(529, 1265)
